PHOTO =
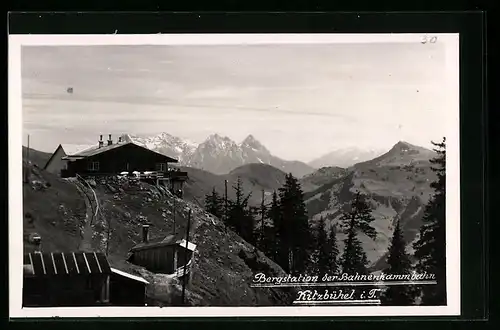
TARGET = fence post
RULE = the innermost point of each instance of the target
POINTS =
(186, 259)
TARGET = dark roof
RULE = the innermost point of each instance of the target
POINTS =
(169, 240)
(96, 150)
(73, 263)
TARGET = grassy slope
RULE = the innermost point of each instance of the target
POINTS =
(55, 212)
(320, 177)
(38, 158)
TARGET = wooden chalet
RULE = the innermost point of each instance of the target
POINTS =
(166, 255)
(114, 158)
(65, 279)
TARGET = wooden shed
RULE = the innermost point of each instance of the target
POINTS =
(165, 255)
(65, 279)
(127, 289)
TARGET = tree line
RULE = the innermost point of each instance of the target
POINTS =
(282, 231)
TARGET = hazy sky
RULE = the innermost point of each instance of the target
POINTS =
(300, 101)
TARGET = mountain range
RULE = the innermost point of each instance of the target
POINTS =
(396, 185)
(219, 154)
(345, 157)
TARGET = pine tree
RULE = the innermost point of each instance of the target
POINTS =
(399, 264)
(326, 250)
(323, 249)
(240, 217)
(264, 234)
(214, 204)
(273, 233)
(357, 219)
(334, 250)
(294, 231)
(430, 249)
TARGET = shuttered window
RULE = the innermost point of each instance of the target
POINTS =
(93, 166)
(161, 167)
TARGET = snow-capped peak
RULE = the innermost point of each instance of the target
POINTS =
(217, 154)
(220, 142)
(252, 143)
(164, 143)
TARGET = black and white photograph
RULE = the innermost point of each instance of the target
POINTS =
(300, 174)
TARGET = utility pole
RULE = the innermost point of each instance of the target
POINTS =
(186, 260)
(262, 211)
(28, 150)
(173, 214)
(225, 202)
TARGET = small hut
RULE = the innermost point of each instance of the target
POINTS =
(164, 255)
(127, 289)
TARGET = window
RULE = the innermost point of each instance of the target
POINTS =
(93, 166)
(161, 167)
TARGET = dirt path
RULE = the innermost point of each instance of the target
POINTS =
(86, 242)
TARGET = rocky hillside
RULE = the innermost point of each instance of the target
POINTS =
(53, 209)
(224, 263)
(219, 154)
(397, 185)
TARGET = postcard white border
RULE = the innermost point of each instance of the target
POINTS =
(16, 196)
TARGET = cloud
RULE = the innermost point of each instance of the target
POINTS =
(301, 100)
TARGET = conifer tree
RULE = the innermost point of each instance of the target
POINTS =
(326, 251)
(322, 248)
(295, 243)
(214, 204)
(430, 249)
(240, 217)
(264, 234)
(357, 219)
(275, 229)
(334, 250)
(399, 264)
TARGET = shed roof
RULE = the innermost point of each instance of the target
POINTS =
(60, 264)
(71, 149)
(130, 276)
(96, 150)
(167, 241)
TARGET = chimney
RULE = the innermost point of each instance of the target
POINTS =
(37, 240)
(100, 141)
(145, 233)
(110, 142)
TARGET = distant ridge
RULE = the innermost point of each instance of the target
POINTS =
(219, 154)
(345, 157)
